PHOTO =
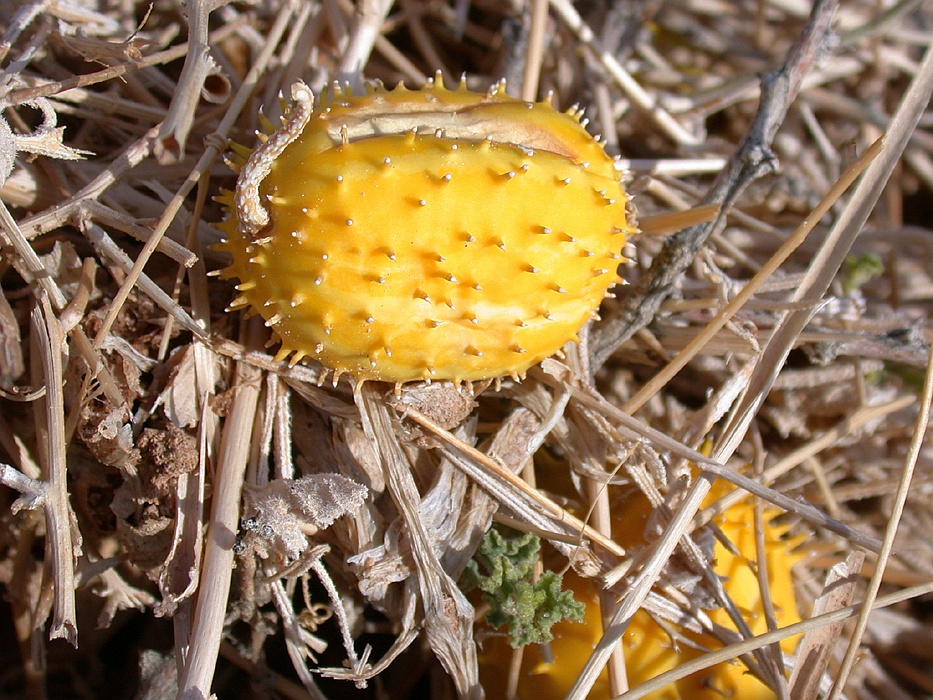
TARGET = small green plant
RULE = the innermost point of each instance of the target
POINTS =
(503, 568)
(860, 269)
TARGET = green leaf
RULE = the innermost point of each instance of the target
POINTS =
(859, 270)
(503, 568)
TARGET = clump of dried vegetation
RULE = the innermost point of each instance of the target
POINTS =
(180, 514)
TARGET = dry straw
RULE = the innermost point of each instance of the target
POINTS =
(158, 465)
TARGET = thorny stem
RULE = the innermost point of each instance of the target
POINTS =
(751, 160)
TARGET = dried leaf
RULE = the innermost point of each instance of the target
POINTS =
(286, 512)
(816, 649)
(48, 139)
(178, 399)
(325, 497)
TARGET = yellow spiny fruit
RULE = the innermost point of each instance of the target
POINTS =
(429, 234)
(647, 646)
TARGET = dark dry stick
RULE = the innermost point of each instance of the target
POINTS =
(752, 160)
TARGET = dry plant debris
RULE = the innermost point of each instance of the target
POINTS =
(185, 515)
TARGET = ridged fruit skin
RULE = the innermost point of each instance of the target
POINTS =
(427, 234)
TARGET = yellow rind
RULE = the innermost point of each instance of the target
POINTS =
(423, 254)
